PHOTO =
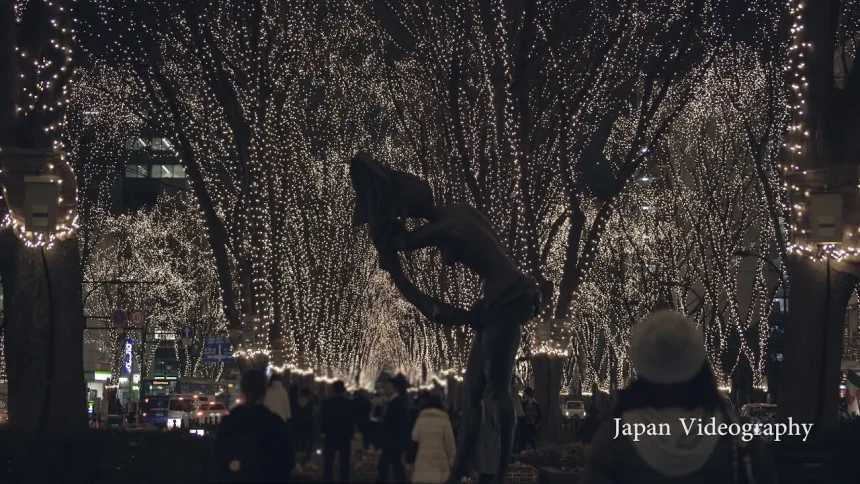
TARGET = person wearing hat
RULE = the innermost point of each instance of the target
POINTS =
(252, 443)
(675, 383)
(394, 430)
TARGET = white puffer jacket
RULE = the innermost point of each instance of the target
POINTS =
(278, 401)
(436, 447)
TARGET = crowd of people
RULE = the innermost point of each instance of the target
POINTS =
(404, 427)
(256, 443)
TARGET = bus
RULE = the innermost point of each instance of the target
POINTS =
(160, 386)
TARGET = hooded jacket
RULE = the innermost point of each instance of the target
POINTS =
(278, 401)
(675, 457)
(436, 446)
(253, 445)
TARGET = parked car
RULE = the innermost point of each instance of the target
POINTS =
(211, 413)
(179, 411)
(573, 409)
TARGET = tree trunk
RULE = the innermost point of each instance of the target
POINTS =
(813, 342)
(548, 372)
(44, 338)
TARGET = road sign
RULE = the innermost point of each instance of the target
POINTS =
(119, 318)
(217, 349)
(137, 318)
(187, 334)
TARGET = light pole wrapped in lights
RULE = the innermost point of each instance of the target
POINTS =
(40, 191)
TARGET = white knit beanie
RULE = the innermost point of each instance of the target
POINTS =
(667, 348)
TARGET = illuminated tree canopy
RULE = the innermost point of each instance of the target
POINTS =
(627, 153)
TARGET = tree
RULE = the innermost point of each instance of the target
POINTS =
(164, 245)
(263, 102)
(43, 317)
(823, 153)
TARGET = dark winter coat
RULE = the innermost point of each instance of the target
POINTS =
(361, 411)
(253, 445)
(395, 428)
(532, 411)
(618, 461)
(337, 422)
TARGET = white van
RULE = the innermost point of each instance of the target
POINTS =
(181, 408)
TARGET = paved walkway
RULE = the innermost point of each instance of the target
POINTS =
(364, 469)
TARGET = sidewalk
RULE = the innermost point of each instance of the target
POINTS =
(364, 469)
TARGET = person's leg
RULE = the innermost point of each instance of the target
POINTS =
(473, 414)
(382, 467)
(345, 451)
(397, 466)
(532, 433)
(309, 441)
(328, 461)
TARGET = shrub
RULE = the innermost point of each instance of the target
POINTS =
(110, 456)
(569, 456)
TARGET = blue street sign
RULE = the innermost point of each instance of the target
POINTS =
(186, 333)
(217, 349)
(119, 318)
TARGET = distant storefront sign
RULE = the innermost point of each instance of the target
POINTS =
(128, 356)
(101, 375)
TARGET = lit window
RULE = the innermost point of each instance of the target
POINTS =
(168, 171)
(161, 144)
(135, 171)
(135, 144)
(162, 171)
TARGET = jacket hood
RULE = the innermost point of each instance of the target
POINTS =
(277, 383)
(675, 453)
(432, 413)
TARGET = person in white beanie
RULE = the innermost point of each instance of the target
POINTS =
(675, 385)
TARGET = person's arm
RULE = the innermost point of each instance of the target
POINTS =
(431, 234)
(450, 443)
(325, 417)
(598, 459)
(433, 309)
(416, 435)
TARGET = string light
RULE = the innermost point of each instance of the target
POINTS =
(265, 117)
(45, 68)
(165, 245)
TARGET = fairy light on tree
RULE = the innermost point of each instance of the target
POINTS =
(258, 104)
(39, 267)
(513, 104)
(165, 243)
